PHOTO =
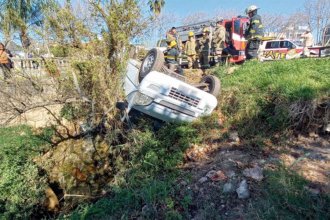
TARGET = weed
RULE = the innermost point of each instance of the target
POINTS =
(21, 187)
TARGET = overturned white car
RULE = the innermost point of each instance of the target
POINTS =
(155, 90)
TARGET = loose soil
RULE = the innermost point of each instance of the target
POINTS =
(307, 155)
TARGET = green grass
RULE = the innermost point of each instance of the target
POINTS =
(148, 186)
(21, 186)
(257, 96)
(284, 196)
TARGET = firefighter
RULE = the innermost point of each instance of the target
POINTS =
(254, 32)
(190, 50)
(308, 41)
(204, 45)
(171, 56)
(218, 40)
(172, 35)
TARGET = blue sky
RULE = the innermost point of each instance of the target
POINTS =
(182, 7)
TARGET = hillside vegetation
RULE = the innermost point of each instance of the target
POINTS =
(155, 172)
(259, 98)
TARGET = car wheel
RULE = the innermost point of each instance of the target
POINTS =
(153, 61)
(213, 85)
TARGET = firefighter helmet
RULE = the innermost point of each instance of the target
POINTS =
(206, 30)
(190, 34)
(172, 44)
(251, 8)
(219, 20)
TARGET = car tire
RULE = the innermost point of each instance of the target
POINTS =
(213, 84)
(153, 61)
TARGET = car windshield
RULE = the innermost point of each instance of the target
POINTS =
(286, 44)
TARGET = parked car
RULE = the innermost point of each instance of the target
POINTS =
(281, 49)
(153, 89)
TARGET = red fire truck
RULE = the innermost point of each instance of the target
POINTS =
(235, 41)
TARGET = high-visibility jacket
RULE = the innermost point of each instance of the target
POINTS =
(219, 36)
(190, 47)
(255, 28)
(174, 37)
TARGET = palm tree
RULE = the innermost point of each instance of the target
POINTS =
(21, 15)
(156, 6)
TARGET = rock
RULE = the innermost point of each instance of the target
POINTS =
(254, 173)
(228, 188)
(231, 173)
(243, 191)
(327, 128)
(211, 173)
(313, 135)
(202, 180)
(184, 183)
(233, 136)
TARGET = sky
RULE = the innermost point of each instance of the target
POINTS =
(182, 7)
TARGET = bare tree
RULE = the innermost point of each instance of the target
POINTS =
(274, 24)
(226, 13)
(318, 15)
(195, 17)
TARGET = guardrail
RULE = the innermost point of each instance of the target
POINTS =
(39, 64)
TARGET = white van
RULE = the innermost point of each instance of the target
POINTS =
(154, 90)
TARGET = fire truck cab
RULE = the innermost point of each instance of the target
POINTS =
(235, 42)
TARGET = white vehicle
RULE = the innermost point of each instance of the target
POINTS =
(282, 49)
(162, 94)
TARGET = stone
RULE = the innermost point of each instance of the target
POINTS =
(233, 136)
(231, 173)
(211, 173)
(243, 191)
(228, 188)
(202, 180)
(254, 173)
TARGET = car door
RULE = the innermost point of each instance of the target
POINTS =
(271, 50)
(285, 47)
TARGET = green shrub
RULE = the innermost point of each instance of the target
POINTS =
(21, 186)
(60, 51)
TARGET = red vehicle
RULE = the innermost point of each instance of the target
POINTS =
(235, 41)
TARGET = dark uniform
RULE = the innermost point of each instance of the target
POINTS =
(204, 47)
(171, 56)
(253, 34)
(255, 29)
